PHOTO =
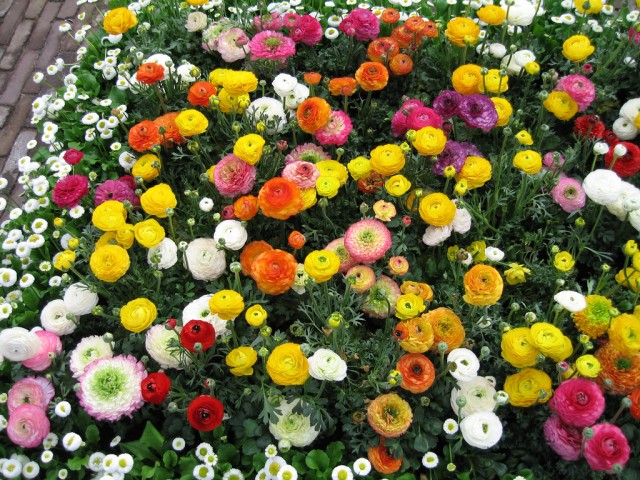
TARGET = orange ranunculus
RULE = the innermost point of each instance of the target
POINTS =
(415, 335)
(372, 76)
(423, 290)
(619, 374)
(313, 114)
(462, 30)
(405, 37)
(382, 48)
(390, 16)
(200, 93)
(482, 285)
(389, 415)
(249, 253)
(171, 133)
(342, 86)
(467, 78)
(246, 207)
(418, 373)
(372, 183)
(312, 78)
(280, 198)
(144, 135)
(401, 64)
(447, 327)
(430, 30)
(382, 460)
(274, 271)
(296, 240)
(414, 23)
(150, 73)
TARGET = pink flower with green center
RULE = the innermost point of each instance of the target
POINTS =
(367, 240)
(270, 45)
(337, 247)
(382, 297)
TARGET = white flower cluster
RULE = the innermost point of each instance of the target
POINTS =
(621, 198)
(628, 123)
(19, 466)
(461, 223)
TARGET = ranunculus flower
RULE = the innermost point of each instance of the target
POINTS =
(28, 426)
(226, 304)
(68, 192)
(197, 331)
(389, 415)
(607, 447)
(37, 391)
(418, 372)
(325, 364)
(155, 387)
(481, 429)
(483, 285)
(382, 460)
(50, 347)
(73, 156)
(163, 255)
(466, 364)
(232, 232)
(287, 365)
(294, 427)
(204, 260)
(563, 439)
(578, 402)
(280, 198)
(479, 394)
(205, 413)
(18, 344)
(241, 361)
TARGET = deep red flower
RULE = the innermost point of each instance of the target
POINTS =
(205, 413)
(70, 190)
(73, 156)
(610, 137)
(197, 331)
(626, 165)
(588, 125)
(155, 387)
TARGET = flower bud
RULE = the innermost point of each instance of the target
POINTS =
(587, 433)
(235, 267)
(335, 320)
(394, 377)
(443, 347)
(530, 317)
(461, 401)
(501, 397)
(266, 331)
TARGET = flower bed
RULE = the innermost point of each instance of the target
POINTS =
(326, 240)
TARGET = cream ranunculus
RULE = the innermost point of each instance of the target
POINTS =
(602, 186)
(516, 62)
(284, 84)
(203, 259)
(294, 427)
(325, 364)
(232, 232)
(481, 429)
(479, 395)
(624, 129)
(434, 236)
(631, 109)
(570, 300)
(164, 347)
(466, 364)
(55, 317)
(269, 111)
(79, 299)
(199, 309)
(18, 344)
(520, 12)
(163, 255)
(462, 220)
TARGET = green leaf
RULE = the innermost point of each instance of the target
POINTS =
(406, 476)
(421, 444)
(88, 82)
(92, 434)
(148, 472)
(228, 453)
(170, 459)
(335, 450)
(186, 466)
(317, 460)
(77, 463)
(298, 462)
(152, 438)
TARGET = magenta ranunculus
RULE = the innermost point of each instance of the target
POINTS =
(446, 104)
(73, 156)
(28, 426)
(303, 174)
(361, 24)
(337, 129)
(578, 402)
(579, 88)
(306, 29)
(115, 190)
(36, 391)
(563, 439)
(270, 45)
(478, 111)
(70, 190)
(50, 347)
(569, 194)
(607, 447)
(234, 177)
(399, 120)
(423, 117)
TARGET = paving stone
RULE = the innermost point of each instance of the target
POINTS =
(18, 41)
(68, 9)
(51, 47)
(41, 31)
(4, 6)
(35, 8)
(20, 75)
(11, 19)
(4, 115)
(17, 119)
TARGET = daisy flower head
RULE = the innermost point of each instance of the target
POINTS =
(362, 467)
(430, 460)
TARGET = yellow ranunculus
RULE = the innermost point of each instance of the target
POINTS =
(577, 48)
(241, 361)
(528, 387)
(255, 315)
(529, 161)
(492, 14)
(359, 167)
(532, 68)
(124, 236)
(227, 304)
(466, 79)
(563, 261)
(149, 233)
(517, 349)
(504, 110)
(476, 171)
(158, 199)
(327, 186)
(423, 290)
(408, 306)
(191, 122)
(629, 277)
(137, 315)
(594, 6)
(561, 105)
(387, 159)
(309, 198)
(462, 30)
(624, 334)
(232, 103)
(109, 263)
(321, 265)
(287, 365)
(630, 248)
(493, 82)
(483, 286)
(476, 249)
(384, 211)
(147, 167)
(217, 76)
(64, 260)
(119, 20)
(516, 274)
(239, 82)
(437, 209)
(397, 185)
(524, 138)
(550, 340)
(248, 148)
(109, 216)
(333, 168)
(588, 366)
(429, 141)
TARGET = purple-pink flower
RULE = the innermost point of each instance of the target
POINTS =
(607, 447)
(361, 24)
(578, 402)
(367, 240)
(446, 104)
(36, 391)
(553, 160)
(115, 190)
(233, 177)
(423, 117)
(569, 194)
(50, 347)
(478, 111)
(454, 154)
(399, 120)
(271, 45)
(563, 439)
(28, 425)
(337, 129)
(579, 88)
(303, 174)
(306, 29)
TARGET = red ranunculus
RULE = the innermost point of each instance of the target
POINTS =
(588, 125)
(155, 387)
(626, 165)
(197, 331)
(205, 413)
(73, 156)
(70, 190)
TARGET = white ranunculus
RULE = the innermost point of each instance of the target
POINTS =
(295, 98)
(55, 317)
(87, 350)
(516, 62)
(325, 364)
(467, 364)
(631, 109)
(461, 221)
(203, 259)
(634, 219)
(294, 427)
(186, 71)
(602, 186)
(493, 254)
(165, 254)
(284, 84)
(497, 50)
(270, 111)
(18, 344)
(232, 232)
(199, 309)
(434, 236)
(570, 300)
(478, 393)
(79, 299)
(628, 196)
(520, 13)
(624, 129)
(600, 148)
(481, 429)
(163, 346)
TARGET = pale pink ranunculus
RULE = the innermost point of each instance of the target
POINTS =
(28, 425)
(273, 21)
(232, 45)
(569, 194)
(553, 160)
(563, 439)
(579, 88)
(303, 174)
(36, 391)
(51, 346)
(578, 402)
(607, 447)
(233, 177)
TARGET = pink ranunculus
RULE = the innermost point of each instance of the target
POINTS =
(36, 391)
(361, 24)
(337, 129)
(273, 21)
(423, 117)
(232, 45)
(569, 194)
(233, 177)
(346, 261)
(115, 190)
(579, 88)
(51, 346)
(563, 439)
(70, 190)
(306, 29)
(73, 156)
(271, 45)
(399, 121)
(303, 174)
(28, 426)
(607, 447)
(553, 160)
(578, 402)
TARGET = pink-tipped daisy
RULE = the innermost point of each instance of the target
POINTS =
(363, 278)
(367, 240)
(346, 260)
(382, 297)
